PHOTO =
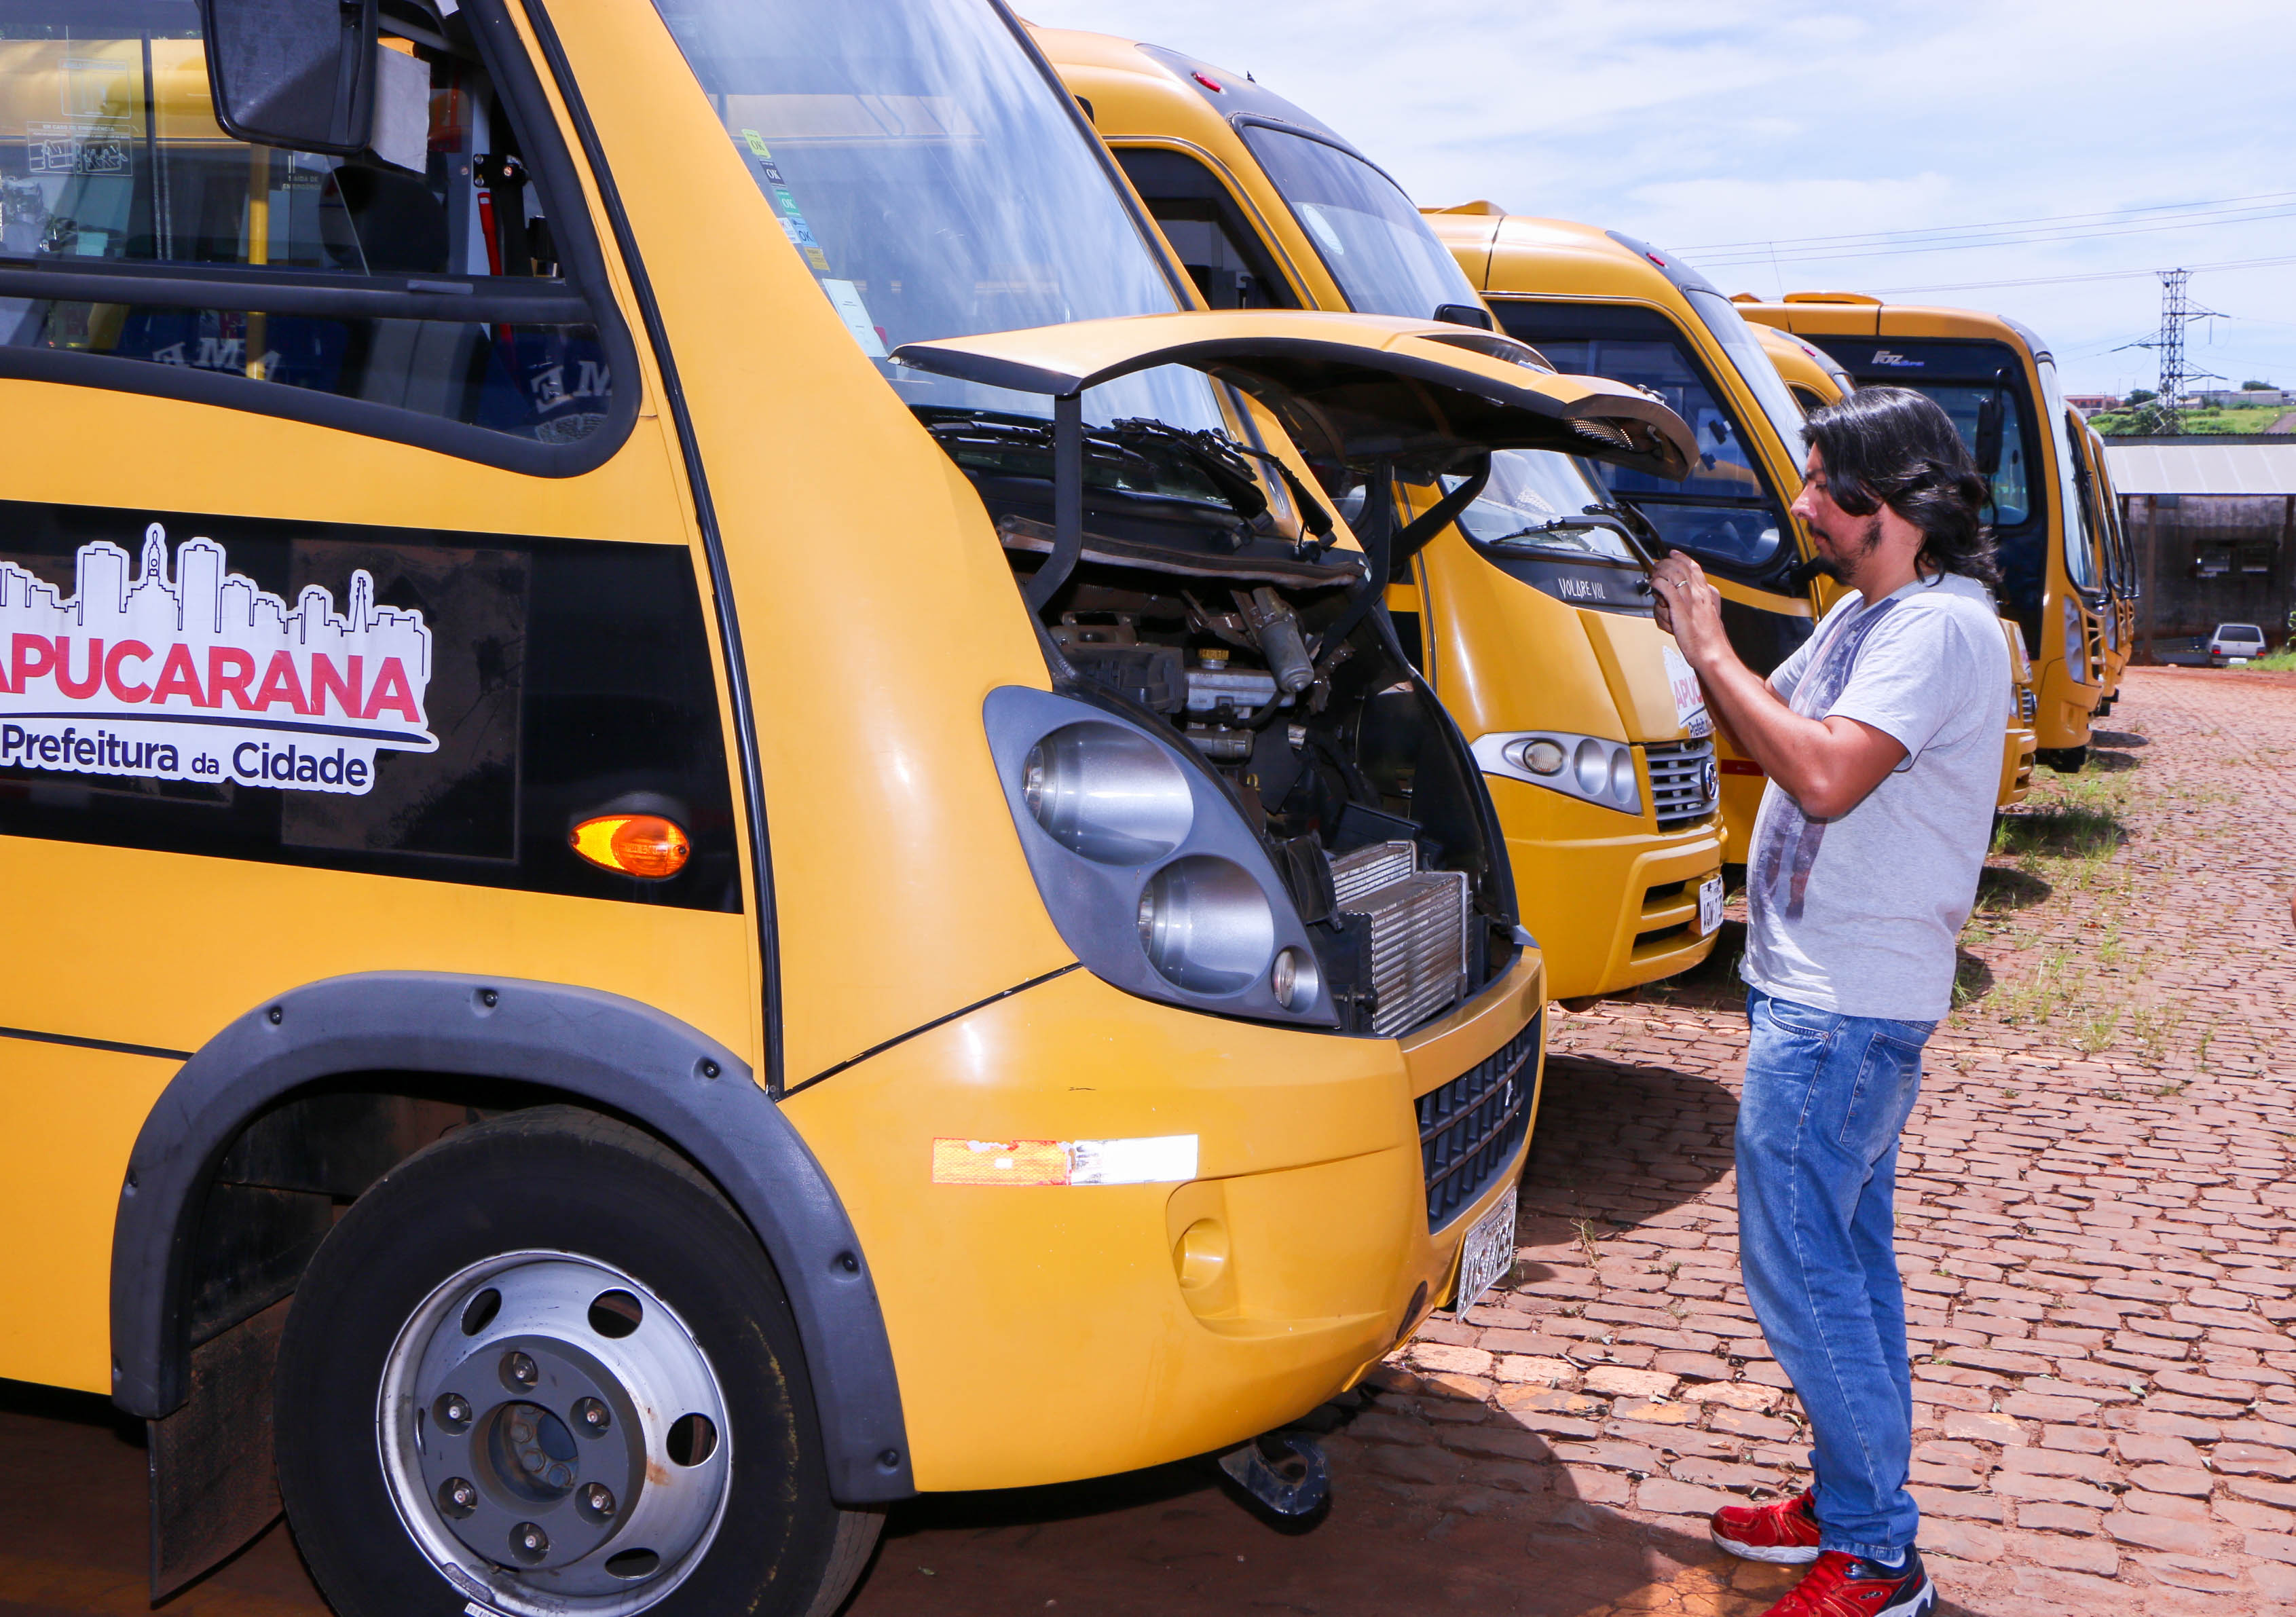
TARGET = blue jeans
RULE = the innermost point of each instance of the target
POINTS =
(1818, 1162)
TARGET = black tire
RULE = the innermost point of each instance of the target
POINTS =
(556, 1179)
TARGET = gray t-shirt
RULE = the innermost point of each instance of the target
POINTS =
(1858, 915)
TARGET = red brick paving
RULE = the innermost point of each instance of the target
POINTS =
(2096, 1222)
(2095, 1210)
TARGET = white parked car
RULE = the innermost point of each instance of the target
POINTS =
(2234, 642)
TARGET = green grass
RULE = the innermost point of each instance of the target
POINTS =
(2241, 420)
(2282, 660)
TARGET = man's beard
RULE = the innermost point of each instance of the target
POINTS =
(1853, 550)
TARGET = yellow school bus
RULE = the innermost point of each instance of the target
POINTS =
(1999, 383)
(751, 784)
(2101, 518)
(1530, 613)
(1598, 302)
(1816, 379)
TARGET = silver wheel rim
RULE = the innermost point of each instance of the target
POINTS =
(553, 1438)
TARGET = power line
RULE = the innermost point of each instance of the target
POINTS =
(2101, 274)
(1876, 237)
(2249, 216)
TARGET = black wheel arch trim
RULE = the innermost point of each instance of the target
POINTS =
(616, 1052)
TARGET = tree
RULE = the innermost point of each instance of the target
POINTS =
(2256, 387)
(2137, 396)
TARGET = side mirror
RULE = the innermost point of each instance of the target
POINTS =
(1990, 412)
(295, 73)
(1465, 314)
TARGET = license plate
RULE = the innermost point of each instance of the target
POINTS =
(1487, 1254)
(1710, 905)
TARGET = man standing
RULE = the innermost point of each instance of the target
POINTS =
(1882, 739)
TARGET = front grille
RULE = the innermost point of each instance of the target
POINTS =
(2028, 704)
(1470, 1127)
(1682, 782)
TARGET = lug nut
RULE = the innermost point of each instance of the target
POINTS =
(457, 1497)
(520, 1370)
(529, 1539)
(458, 1410)
(591, 1417)
(598, 1499)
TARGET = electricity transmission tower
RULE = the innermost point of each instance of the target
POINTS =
(2177, 312)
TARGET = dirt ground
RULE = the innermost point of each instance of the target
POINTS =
(2096, 1219)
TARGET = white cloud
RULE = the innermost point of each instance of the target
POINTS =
(1732, 121)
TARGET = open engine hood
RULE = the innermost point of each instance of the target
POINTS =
(1348, 388)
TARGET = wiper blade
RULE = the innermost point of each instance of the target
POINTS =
(1231, 455)
(1560, 524)
(1223, 462)
(1210, 452)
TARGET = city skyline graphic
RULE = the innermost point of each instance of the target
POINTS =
(193, 672)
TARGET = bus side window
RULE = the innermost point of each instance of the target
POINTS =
(118, 187)
(1231, 266)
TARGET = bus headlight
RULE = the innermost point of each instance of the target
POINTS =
(1206, 925)
(1593, 769)
(1108, 793)
(2075, 643)
(1147, 865)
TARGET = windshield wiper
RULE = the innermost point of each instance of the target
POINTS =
(1223, 455)
(1222, 461)
(1213, 453)
(1120, 446)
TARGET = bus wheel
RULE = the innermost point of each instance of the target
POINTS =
(543, 1369)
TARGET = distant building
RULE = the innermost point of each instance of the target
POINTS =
(2214, 528)
(2239, 398)
(2091, 404)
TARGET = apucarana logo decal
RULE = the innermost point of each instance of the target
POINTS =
(205, 677)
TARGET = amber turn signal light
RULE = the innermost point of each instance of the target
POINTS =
(634, 844)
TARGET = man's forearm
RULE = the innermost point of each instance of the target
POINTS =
(1825, 765)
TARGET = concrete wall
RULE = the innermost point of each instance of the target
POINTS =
(2206, 559)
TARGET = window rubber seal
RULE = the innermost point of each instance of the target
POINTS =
(705, 519)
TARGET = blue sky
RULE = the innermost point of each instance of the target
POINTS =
(1705, 126)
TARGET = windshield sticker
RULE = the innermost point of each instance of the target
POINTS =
(205, 677)
(792, 217)
(845, 298)
(1892, 357)
(1689, 696)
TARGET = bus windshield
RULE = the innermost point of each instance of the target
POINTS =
(1722, 511)
(1728, 327)
(936, 183)
(1964, 375)
(1538, 499)
(1368, 235)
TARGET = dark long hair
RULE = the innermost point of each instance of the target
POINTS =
(1896, 448)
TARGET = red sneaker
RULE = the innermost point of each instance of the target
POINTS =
(1785, 1532)
(1847, 1585)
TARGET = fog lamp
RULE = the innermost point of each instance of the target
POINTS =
(1541, 758)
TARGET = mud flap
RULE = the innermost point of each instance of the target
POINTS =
(212, 1484)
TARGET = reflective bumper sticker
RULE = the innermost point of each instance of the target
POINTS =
(1168, 1159)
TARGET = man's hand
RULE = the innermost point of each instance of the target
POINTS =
(1690, 609)
(1827, 765)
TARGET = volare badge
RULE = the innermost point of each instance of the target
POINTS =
(204, 677)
